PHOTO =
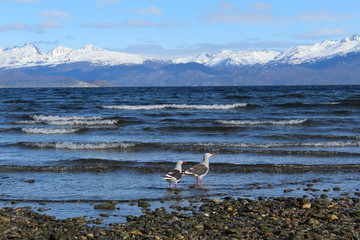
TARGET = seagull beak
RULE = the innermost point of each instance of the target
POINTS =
(213, 155)
(184, 162)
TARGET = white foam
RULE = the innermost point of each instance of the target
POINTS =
(69, 120)
(63, 118)
(82, 122)
(81, 146)
(249, 122)
(50, 130)
(284, 145)
(178, 106)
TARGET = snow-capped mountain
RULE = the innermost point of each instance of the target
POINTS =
(22, 56)
(294, 55)
(317, 51)
(30, 55)
(231, 58)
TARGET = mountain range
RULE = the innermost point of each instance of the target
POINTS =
(327, 62)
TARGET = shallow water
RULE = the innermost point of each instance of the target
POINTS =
(116, 143)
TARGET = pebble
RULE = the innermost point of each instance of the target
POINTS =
(105, 206)
(228, 218)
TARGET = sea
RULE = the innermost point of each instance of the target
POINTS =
(65, 150)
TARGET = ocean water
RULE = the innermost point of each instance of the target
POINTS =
(83, 146)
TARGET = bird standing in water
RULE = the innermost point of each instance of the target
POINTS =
(201, 169)
(175, 175)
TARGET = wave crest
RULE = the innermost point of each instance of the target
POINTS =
(50, 130)
(69, 120)
(179, 106)
(80, 146)
(249, 122)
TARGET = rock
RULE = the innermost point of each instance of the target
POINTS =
(337, 189)
(216, 201)
(272, 218)
(312, 222)
(30, 181)
(306, 205)
(42, 209)
(105, 206)
(143, 204)
(333, 217)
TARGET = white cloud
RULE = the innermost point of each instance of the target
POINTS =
(151, 10)
(261, 6)
(55, 14)
(321, 33)
(248, 19)
(147, 24)
(101, 25)
(52, 24)
(103, 3)
(19, 26)
(324, 16)
(132, 24)
(25, 1)
(229, 6)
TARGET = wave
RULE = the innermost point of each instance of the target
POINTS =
(147, 167)
(69, 120)
(281, 145)
(249, 122)
(305, 105)
(275, 149)
(179, 106)
(50, 130)
(9, 129)
(80, 146)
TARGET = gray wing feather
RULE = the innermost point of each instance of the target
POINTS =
(198, 169)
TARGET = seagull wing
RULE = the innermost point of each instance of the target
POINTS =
(197, 170)
(173, 175)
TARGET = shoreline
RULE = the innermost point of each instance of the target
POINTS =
(203, 218)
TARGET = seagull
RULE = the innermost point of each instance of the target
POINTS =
(201, 169)
(175, 175)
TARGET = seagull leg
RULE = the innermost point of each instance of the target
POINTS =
(201, 182)
(175, 185)
(169, 185)
(197, 181)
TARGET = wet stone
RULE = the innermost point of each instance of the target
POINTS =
(105, 206)
(273, 218)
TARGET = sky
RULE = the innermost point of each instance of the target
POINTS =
(169, 29)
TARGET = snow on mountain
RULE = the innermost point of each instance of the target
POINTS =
(294, 55)
(59, 52)
(233, 58)
(101, 56)
(29, 55)
(22, 56)
(323, 50)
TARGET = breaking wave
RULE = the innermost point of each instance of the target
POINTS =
(50, 130)
(79, 146)
(179, 106)
(69, 120)
(288, 148)
(147, 167)
(249, 122)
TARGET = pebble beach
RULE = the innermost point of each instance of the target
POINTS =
(204, 218)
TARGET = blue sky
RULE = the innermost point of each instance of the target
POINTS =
(170, 29)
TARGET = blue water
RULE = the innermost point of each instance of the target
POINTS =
(116, 143)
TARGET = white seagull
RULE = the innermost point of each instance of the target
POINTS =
(201, 169)
(175, 175)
